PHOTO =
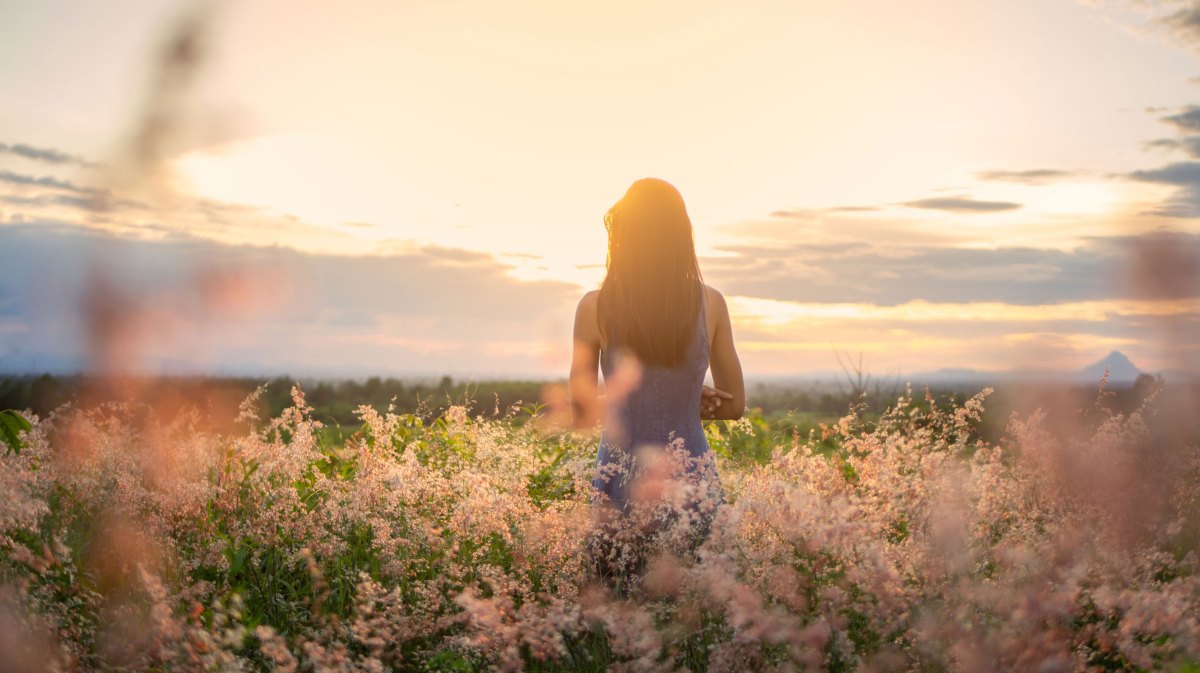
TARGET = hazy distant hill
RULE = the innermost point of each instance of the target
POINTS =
(1121, 370)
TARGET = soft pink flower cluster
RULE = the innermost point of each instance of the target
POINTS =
(131, 541)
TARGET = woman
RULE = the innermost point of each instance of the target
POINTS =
(654, 328)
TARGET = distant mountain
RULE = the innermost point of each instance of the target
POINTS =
(1121, 370)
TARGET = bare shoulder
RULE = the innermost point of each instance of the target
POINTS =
(714, 300)
(589, 302)
(586, 317)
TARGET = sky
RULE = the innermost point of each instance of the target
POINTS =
(418, 188)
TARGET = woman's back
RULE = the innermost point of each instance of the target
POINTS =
(661, 407)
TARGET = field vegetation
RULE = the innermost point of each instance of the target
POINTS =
(163, 535)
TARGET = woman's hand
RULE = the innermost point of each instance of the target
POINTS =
(710, 401)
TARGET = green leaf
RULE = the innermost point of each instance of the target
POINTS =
(12, 425)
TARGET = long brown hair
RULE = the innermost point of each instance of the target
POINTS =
(650, 300)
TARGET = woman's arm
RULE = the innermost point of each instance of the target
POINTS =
(726, 368)
(586, 409)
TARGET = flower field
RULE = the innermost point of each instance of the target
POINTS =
(133, 538)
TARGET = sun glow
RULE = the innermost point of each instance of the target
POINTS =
(288, 173)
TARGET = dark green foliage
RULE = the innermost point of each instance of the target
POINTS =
(12, 425)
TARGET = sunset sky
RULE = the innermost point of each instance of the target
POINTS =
(418, 187)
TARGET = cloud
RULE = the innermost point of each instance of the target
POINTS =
(952, 204)
(145, 213)
(1187, 121)
(794, 213)
(43, 181)
(1029, 177)
(1189, 145)
(329, 313)
(431, 309)
(44, 200)
(44, 154)
(1184, 175)
(1185, 22)
(961, 204)
(889, 276)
